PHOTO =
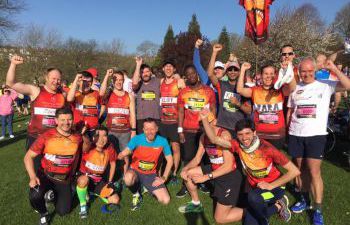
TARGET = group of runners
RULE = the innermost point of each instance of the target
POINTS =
(225, 129)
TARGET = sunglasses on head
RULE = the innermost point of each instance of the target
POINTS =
(287, 53)
(233, 69)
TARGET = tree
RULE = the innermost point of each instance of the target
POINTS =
(147, 49)
(224, 39)
(194, 27)
(342, 21)
(169, 36)
(7, 11)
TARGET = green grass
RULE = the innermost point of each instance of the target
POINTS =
(15, 207)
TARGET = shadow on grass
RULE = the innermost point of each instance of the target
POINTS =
(337, 157)
(19, 135)
(196, 218)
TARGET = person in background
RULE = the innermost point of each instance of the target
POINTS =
(6, 111)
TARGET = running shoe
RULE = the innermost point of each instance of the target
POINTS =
(144, 190)
(299, 207)
(182, 193)
(110, 208)
(12, 136)
(136, 202)
(204, 188)
(2, 137)
(83, 212)
(285, 76)
(284, 212)
(44, 219)
(317, 218)
(191, 208)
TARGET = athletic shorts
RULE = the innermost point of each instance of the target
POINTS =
(147, 179)
(277, 143)
(307, 147)
(169, 131)
(190, 147)
(226, 187)
(96, 187)
(119, 140)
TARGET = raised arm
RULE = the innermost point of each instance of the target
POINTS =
(132, 115)
(73, 89)
(25, 89)
(344, 81)
(197, 63)
(246, 92)
(216, 49)
(137, 76)
(104, 84)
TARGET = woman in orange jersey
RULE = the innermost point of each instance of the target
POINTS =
(93, 165)
(267, 104)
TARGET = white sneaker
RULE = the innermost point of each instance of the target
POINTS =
(12, 136)
(2, 137)
(285, 76)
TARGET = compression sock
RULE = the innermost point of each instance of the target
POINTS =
(82, 192)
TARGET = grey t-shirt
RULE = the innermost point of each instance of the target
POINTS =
(147, 100)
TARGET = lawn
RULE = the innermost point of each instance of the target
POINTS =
(15, 207)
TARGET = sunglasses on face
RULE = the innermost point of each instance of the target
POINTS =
(287, 53)
(233, 69)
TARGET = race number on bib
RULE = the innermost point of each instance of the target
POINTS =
(195, 104)
(306, 111)
(148, 95)
(268, 118)
(146, 166)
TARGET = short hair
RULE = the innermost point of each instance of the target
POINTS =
(63, 110)
(286, 46)
(103, 128)
(52, 69)
(266, 66)
(150, 120)
(189, 66)
(308, 58)
(244, 123)
(87, 74)
(144, 66)
(117, 72)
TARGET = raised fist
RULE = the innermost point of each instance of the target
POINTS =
(17, 60)
(217, 47)
(199, 42)
(246, 66)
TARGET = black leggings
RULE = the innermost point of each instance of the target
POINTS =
(63, 195)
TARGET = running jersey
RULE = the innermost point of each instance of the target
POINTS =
(228, 114)
(43, 110)
(168, 102)
(118, 113)
(146, 154)
(147, 100)
(193, 101)
(215, 152)
(260, 165)
(268, 113)
(59, 152)
(86, 108)
(94, 163)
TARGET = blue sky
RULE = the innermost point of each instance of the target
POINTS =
(134, 21)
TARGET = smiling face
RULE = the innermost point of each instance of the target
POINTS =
(64, 122)
(146, 74)
(150, 129)
(268, 76)
(118, 81)
(287, 54)
(101, 139)
(168, 70)
(191, 76)
(232, 73)
(53, 80)
(307, 71)
(246, 136)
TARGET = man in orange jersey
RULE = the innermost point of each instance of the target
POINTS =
(93, 165)
(86, 102)
(191, 101)
(44, 100)
(169, 90)
(146, 149)
(60, 148)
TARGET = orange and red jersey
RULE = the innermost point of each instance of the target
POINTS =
(145, 154)
(268, 113)
(86, 108)
(59, 152)
(193, 101)
(260, 165)
(168, 101)
(118, 113)
(94, 162)
(43, 110)
(215, 152)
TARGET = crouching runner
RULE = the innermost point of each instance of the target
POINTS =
(259, 158)
(223, 174)
(93, 165)
(146, 149)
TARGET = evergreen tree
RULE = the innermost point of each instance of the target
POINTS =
(169, 36)
(194, 28)
(224, 39)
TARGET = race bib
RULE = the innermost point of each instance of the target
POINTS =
(146, 166)
(261, 173)
(195, 104)
(44, 111)
(94, 167)
(118, 111)
(148, 95)
(119, 121)
(268, 118)
(49, 121)
(60, 160)
(168, 100)
(306, 111)
(90, 111)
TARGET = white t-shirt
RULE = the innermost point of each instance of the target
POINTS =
(311, 108)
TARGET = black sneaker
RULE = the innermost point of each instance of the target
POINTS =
(44, 219)
(204, 188)
(182, 193)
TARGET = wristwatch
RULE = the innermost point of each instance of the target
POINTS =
(210, 175)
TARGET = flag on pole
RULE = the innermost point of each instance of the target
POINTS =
(257, 21)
